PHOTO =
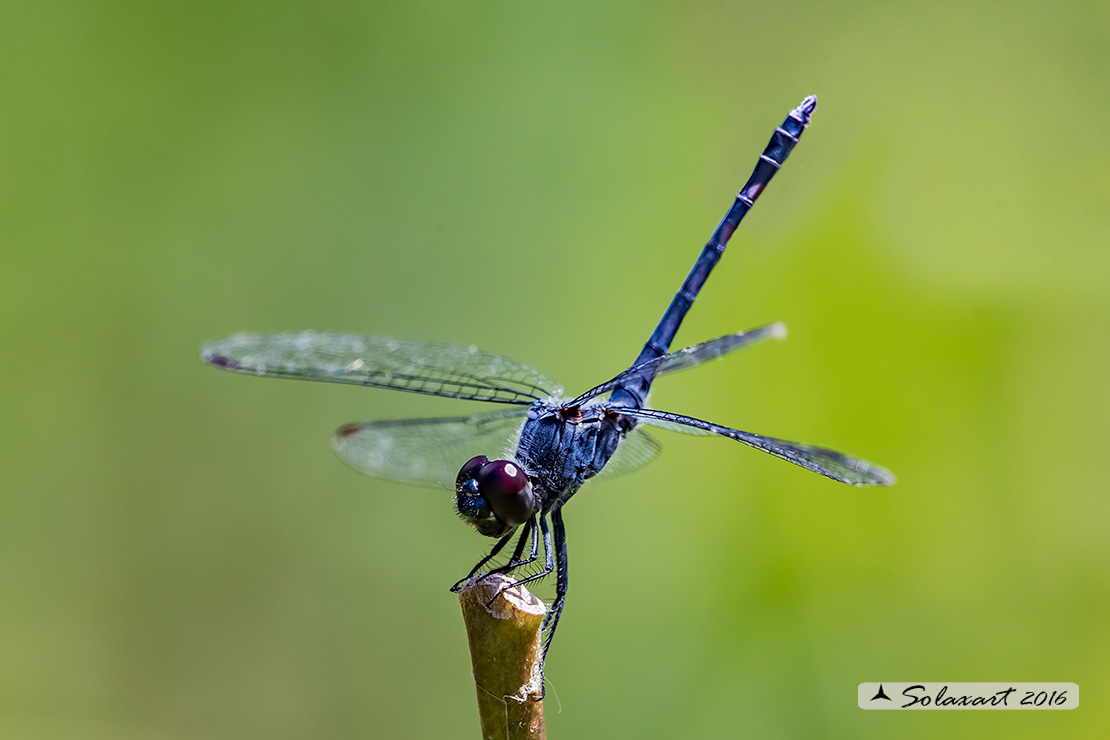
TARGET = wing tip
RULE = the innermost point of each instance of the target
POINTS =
(878, 476)
(341, 441)
(218, 352)
(210, 354)
(345, 432)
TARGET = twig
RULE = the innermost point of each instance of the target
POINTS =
(505, 651)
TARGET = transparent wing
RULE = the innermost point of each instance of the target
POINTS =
(637, 450)
(684, 358)
(826, 462)
(427, 451)
(380, 362)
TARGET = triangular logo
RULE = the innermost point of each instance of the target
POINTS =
(881, 695)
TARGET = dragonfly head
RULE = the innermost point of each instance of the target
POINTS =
(493, 495)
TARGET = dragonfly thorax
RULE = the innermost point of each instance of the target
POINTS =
(494, 495)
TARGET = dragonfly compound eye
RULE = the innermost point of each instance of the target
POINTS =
(505, 486)
(470, 469)
(473, 506)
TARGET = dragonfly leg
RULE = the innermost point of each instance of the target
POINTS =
(498, 546)
(515, 561)
(551, 620)
(549, 563)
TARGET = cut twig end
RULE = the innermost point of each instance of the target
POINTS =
(505, 653)
(503, 600)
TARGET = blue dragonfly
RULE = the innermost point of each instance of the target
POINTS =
(512, 470)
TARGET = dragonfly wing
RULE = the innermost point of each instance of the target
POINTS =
(826, 462)
(684, 358)
(427, 451)
(637, 450)
(380, 362)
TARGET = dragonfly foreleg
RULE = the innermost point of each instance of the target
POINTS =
(497, 547)
(549, 562)
(515, 561)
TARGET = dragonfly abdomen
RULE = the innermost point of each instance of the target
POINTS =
(782, 142)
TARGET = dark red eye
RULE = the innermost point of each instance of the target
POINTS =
(470, 469)
(507, 490)
(501, 477)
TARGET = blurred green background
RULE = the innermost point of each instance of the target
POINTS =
(181, 554)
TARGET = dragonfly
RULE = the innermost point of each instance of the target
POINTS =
(513, 469)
